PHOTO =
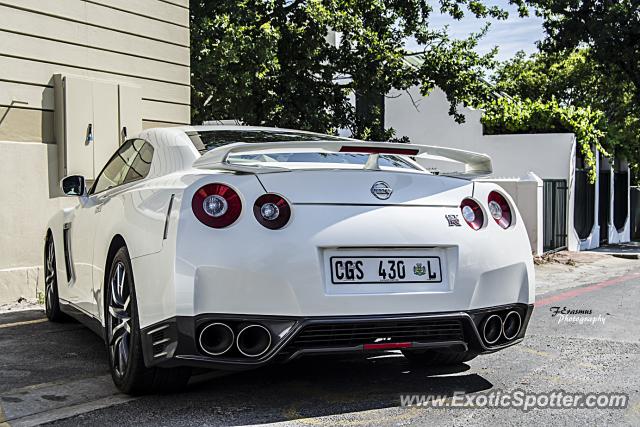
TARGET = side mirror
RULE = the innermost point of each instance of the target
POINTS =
(73, 185)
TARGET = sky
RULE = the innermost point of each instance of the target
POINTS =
(510, 35)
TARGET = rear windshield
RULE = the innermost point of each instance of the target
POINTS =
(208, 140)
(329, 158)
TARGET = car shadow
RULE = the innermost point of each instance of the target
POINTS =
(35, 352)
(322, 386)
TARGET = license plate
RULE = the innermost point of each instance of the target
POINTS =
(385, 269)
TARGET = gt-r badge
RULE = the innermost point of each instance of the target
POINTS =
(453, 220)
(419, 269)
(381, 190)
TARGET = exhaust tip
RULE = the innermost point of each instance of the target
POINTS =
(253, 340)
(511, 325)
(216, 339)
(492, 329)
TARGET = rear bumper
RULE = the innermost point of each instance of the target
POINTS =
(174, 342)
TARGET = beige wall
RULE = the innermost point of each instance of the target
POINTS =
(140, 42)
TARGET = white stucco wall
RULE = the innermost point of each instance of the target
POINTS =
(425, 120)
(137, 43)
(429, 122)
(527, 194)
(27, 206)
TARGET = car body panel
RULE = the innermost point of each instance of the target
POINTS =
(185, 269)
(352, 187)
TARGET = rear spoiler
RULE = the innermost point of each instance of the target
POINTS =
(476, 164)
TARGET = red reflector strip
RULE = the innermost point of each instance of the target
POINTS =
(387, 346)
(381, 150)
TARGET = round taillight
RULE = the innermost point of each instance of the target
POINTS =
(499, 209)
(272, 211)
(472, 213)
(216, 205)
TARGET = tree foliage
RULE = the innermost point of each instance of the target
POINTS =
(610, 28)
(576, 79)
(514, 115)
(268, 62)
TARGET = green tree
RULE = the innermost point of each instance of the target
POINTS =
(508, 115)
(610, 28)
(268, 62)
(577, 80)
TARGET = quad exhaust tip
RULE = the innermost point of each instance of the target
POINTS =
(216, 339)
(253, 340)
(511, 325)
(492, 329)
(495, 327)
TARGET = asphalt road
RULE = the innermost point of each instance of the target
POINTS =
(57, 373)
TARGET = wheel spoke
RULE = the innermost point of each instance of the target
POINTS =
(120, 331)
(49, 276)
(49, 295)
(119, 314)
(123, 354)
(50, 256)
(119, 322)
(118, 286)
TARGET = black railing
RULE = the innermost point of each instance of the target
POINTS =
(584, 207)
(604, 204)
(620, 199)
(555, 214)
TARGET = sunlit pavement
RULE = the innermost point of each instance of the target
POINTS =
(58, 373)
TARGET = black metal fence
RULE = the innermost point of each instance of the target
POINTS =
(604, 204)
(584, 207)
(620, 199)
(635, 213)
(555, 214)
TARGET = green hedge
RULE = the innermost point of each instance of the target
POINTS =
(514, 115)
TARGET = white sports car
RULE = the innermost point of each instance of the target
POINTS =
(232, 247)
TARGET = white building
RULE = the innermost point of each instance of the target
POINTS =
(75, 78)
(540, 171)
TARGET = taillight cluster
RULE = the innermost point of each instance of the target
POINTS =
(498, 208)
(219, 206)
(216, 205)
(272, 211)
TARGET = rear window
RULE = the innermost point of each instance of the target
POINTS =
(208, 140)
(329, 158)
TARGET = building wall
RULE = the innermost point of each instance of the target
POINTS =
(144, 43)
(425, 120)
(527, 194)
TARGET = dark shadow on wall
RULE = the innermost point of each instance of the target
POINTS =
(9, 108)
(49, 137)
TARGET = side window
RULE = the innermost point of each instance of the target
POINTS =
(141, 163)
(118, 167)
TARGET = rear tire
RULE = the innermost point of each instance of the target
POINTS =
(51, 298)
(438, 357)
(122, 331)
